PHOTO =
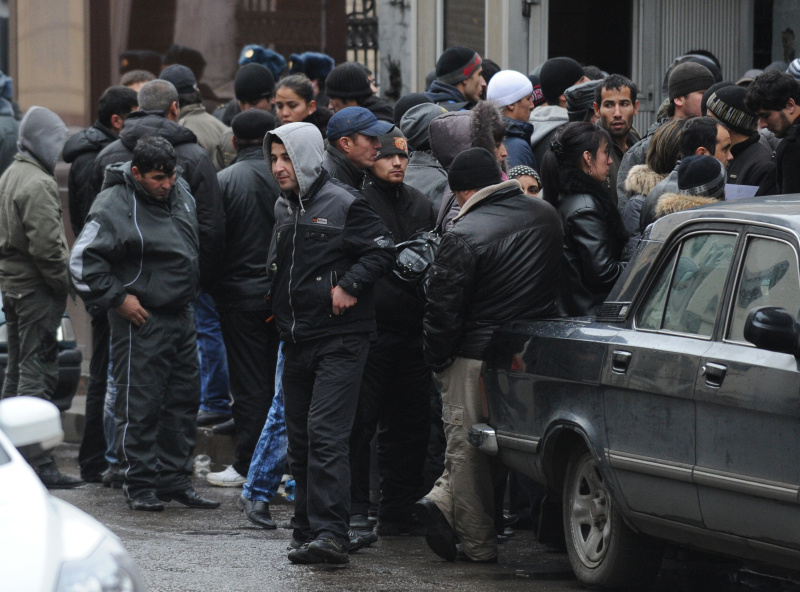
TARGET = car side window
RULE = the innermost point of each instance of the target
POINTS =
(687, 294)
(768, 277)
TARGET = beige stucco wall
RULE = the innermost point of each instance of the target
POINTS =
(50, 61)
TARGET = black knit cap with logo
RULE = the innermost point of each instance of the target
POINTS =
(474, 168)
(348, 81)
(456, 64)
(727, 105)
(702, 175)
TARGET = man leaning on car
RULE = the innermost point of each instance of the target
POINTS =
(33, 268)
(499, 263)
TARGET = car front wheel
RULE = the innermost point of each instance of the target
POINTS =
(603, 551)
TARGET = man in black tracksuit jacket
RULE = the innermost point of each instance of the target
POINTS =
(137, 258)
(328, 250)
(81, 150)
(397, 385)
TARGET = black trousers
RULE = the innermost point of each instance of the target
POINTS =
(394, 400)
(158, 394)
(252, 347)
(321, 379)
(92, 453)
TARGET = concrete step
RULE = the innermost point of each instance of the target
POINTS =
(221, 449)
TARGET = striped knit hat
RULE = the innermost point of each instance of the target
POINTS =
(794, 69)
(727, 105)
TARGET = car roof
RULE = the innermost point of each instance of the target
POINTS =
(775, 210)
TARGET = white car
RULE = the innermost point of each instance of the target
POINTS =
(47, 544)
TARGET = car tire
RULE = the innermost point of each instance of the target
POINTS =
(603, 551)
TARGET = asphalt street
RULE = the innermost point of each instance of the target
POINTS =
(188, 550)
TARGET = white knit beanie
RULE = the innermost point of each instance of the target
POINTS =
(507, 87)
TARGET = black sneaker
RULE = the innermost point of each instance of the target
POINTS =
(301, 555)
(360, 539)
(328, 550)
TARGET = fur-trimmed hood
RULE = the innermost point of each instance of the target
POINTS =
(641, 180)
(669, 203)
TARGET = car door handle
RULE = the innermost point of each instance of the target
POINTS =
(714, 373)
(620, 360)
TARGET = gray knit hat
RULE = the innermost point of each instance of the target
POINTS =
(727, 105)
(687, 78)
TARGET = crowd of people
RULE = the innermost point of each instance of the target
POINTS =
(239, 263)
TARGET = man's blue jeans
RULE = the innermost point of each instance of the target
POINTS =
(269, 459)
(214, 384)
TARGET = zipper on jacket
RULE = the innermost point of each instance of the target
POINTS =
(291, 270)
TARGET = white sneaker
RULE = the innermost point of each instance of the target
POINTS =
(227, 478)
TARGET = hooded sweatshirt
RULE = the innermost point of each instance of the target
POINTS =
(325, 235)
(447, 96)
(33, 247)
(546, 119)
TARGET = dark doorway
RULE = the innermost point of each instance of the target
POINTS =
(762, 34)
(593, 33)
(152, 24)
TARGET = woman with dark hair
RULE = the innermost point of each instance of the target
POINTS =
(573, 173)
(294, 101)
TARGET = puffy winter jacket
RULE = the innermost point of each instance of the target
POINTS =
(135, 244)
(81, 150)
(198, 172)
(518, 143)
(249, 193)
(426, 175)
(500, 262)
(546, 121)
(405, 212)
(325, 235)
(641, 181)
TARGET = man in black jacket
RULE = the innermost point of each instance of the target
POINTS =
(158, 116)
(396, 387)
(136, 258)
(114, 107)
(459, 84)
(775, 99)
(328, 250)
(499, 262)
(352, 144)
(249, 193)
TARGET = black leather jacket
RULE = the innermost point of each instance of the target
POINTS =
(341, 169)
(405, 212)
(499, 263)
(593, 242)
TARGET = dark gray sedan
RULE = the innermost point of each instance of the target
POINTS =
(675, 414)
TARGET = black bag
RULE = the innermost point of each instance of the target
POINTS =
(414, 258)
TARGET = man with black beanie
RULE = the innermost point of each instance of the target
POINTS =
(249, 193)
(752, 154)
(253, 87)
(775, 98)
(556, 76)
(499, 262)
(348, 85)
(459, 84)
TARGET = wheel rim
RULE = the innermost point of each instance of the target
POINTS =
(590, 510)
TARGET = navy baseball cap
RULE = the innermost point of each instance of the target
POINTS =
(356, 120)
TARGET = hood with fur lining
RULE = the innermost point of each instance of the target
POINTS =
(669, 203)
(641, 180)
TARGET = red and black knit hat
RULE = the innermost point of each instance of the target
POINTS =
(456, 64)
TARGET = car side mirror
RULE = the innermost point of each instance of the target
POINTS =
(30, 423)
(772, 328)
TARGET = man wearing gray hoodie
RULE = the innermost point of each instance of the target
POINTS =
(328, 249)
(33, 267)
